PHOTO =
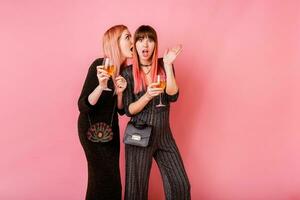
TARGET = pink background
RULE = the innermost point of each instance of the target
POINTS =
(236, 121)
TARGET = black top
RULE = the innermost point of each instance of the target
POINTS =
(102, 110)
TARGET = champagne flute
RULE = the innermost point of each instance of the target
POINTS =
(161, 80)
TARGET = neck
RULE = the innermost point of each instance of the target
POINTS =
(145, 62)
(146, 70)
(123, 60)
(149, 65)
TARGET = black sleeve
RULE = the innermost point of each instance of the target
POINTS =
(173, 98)
(89, 85)
(128, 95)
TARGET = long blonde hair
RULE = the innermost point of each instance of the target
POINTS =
(111, 48)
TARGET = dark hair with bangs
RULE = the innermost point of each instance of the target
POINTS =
(145, 31)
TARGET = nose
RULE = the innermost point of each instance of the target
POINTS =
(145, 43)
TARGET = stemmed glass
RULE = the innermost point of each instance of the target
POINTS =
(161, 80)
(109, 67)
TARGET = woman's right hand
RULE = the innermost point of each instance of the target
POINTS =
(102, 76)
(153, 90)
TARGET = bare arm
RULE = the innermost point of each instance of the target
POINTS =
(169, 58)
(95, 95)
(103, 77)
(171, 86)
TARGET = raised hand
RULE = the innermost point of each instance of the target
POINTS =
(171, 54)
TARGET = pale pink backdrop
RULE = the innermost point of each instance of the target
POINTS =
(236, 121)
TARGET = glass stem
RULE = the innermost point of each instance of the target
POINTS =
(160, 98)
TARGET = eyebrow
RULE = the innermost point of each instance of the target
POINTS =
(145, 37)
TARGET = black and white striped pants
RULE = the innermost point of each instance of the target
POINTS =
(165, 152)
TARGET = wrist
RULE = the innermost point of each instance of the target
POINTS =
(100, 88)
(167, 65)
(119, 94)
(147, 97)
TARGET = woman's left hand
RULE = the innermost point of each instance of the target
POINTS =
(121, 84)
(171, 54)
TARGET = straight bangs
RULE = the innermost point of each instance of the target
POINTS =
(145, 34)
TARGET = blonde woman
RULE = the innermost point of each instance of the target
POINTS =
(98, 120)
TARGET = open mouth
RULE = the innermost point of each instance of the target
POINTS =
(145, 53)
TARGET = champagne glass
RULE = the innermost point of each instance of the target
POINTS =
(161, 80)
(109, 68)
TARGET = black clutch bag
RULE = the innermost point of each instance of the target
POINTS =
(137, 134)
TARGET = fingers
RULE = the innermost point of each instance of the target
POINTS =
(100, 67)
(103, 75)
(121, 82)
(170, 55)
(120, 78)
(153, 85)
(153, 90)
(101, 72)
(156, 89)
(103, 79)
(166, 52)
(178, 49)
